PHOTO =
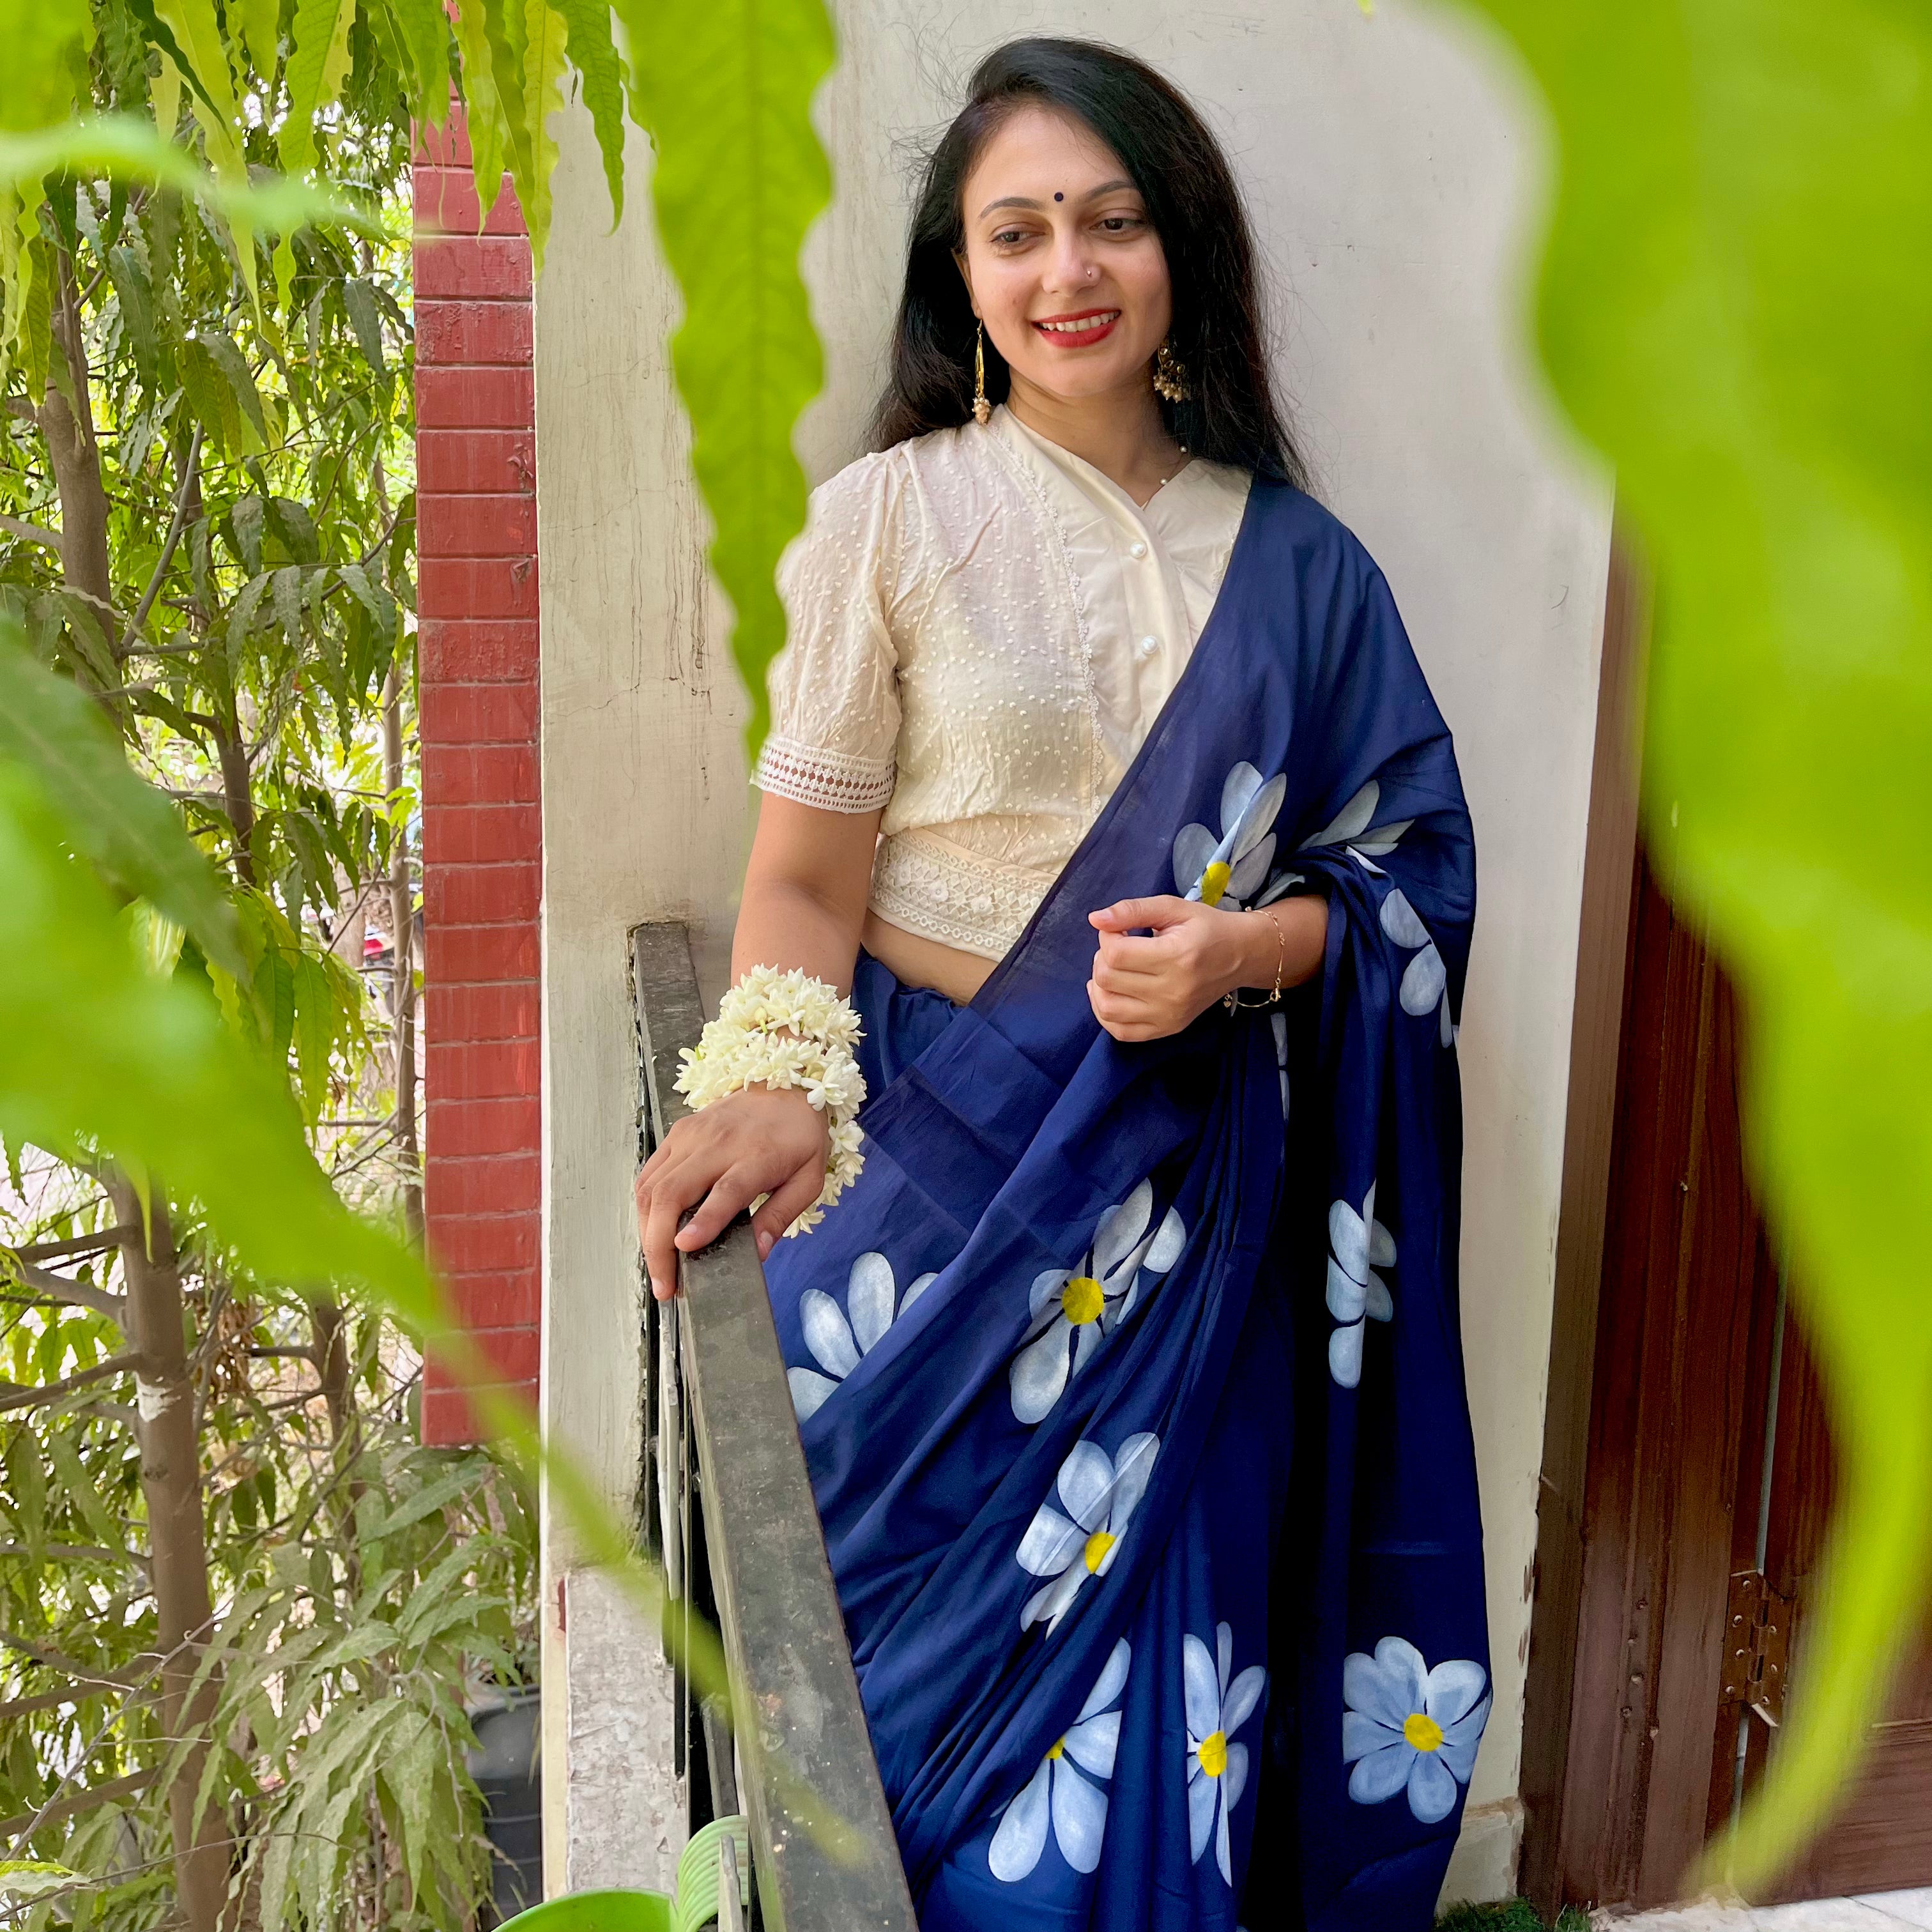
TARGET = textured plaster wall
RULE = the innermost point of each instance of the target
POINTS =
(1393, 164)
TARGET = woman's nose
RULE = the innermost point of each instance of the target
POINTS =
(1072, 266)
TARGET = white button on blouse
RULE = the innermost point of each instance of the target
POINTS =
(963, 651)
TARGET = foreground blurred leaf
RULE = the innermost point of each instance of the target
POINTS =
(725, 91)
(1737, 308)
(118, 147)
(125, 826)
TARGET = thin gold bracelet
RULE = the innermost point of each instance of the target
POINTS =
(1232, 999)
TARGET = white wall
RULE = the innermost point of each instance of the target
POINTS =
(1392, 165)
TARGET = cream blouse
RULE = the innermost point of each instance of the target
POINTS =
(983, 629)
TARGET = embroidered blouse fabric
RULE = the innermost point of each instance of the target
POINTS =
(984, 628)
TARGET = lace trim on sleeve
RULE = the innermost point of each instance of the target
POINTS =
(833, 780)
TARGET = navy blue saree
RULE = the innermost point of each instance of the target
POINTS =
(1130, 1376)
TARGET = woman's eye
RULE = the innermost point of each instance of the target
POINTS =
(1007, 237)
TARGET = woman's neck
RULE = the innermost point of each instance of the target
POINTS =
(1120, 432)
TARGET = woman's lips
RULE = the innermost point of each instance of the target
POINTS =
(1078, 331)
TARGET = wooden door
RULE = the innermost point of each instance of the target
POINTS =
(1693, 1549)
(1880, 1837)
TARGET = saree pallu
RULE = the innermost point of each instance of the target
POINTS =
(1130, 1375)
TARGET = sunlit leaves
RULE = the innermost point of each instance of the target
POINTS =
(726, 92)
(1737, 307)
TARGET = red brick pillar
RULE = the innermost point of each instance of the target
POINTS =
(482, 852)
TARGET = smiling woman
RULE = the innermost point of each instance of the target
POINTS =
(1094, 741)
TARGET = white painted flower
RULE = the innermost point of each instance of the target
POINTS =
(838, 1337)
(1071, 1309)
(1227, 870)
(1100, 1492)
(1358, 1244)
(1407, 1725)
(1354, 829)
(1217, 1770)
(1279, 1022)
(1425, 981)
(1077, 1808)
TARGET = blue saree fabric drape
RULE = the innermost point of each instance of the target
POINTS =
(1130, 1375)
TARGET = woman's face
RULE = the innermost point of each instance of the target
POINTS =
(1065, 268)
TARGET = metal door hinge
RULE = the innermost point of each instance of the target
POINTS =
(1757, 1642)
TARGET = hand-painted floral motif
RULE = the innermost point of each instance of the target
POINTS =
(1425, 981)
(1279, 1023)
(1076, 1806)
(1217, 1768)
(1071, 1309)
(837, 1337)
(1358, 1244)
(1229, 870)
(1354, 829)
(1407, 1726)
(1100, 1492)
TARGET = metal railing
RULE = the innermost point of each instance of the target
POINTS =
(728, 1503)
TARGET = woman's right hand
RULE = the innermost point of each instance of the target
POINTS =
(761, 1140)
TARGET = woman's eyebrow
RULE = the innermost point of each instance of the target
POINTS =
(1026, 201)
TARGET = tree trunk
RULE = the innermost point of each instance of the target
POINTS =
(403, 971)
(238, 801)
(75, 457)
(178, 1544)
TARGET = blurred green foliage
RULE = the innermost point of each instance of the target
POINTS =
(1736, 308)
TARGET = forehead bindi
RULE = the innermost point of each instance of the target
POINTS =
(1040, 158)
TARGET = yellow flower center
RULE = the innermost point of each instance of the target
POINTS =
(1082, 1300)
(1059, 1746)
(1098, 1544)
(1213, 883)
(1214, 1754)
(1422, 1731)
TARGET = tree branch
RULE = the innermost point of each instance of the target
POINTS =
(75, 1551)
(22, 1395)
(48, 1286)
(81, 1801)
(32, 533)
(190, 472)
(75, 1244)
(81, 1673)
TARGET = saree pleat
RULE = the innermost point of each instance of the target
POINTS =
(1130, 1376)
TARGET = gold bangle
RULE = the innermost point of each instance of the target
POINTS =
(1232, 999)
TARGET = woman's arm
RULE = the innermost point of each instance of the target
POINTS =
(805, 897)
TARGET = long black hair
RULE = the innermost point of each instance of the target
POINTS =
(1196, 209)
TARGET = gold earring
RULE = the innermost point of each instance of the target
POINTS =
(983, 410)
(1170, 375)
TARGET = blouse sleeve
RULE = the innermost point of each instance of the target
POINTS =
(834, 686)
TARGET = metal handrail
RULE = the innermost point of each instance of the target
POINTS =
(752, 1553)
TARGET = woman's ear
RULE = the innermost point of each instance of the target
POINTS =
(966, 276)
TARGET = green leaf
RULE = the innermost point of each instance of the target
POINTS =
(423, 27)
(593, 52)
(120, 147)
(318, 64)
(1731, 310)
(358, 300)
(245, 519)
(259, 21)
(726, 94)
(488, 124)
(543, 74)
(226, 355)
(125, 827)
(129, 277)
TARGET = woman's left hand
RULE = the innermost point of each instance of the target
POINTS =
(1148, 987)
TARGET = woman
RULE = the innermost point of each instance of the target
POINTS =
(1132, 1393)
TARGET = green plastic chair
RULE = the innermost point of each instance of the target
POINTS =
(696, 1906)
(601, 1912)
(697, 1873)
